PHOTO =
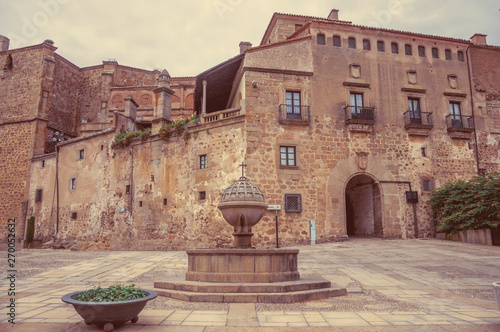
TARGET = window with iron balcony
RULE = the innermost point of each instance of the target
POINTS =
(293, 112)
(416, 119)
(357, 112)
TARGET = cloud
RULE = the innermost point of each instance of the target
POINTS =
(187, 37)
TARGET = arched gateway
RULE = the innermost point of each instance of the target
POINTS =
(362, 201)
(363, 207)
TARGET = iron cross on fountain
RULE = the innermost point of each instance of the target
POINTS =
(243, 165)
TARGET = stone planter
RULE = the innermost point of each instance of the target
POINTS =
(109, 314)
(496, 291)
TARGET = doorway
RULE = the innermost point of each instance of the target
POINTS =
(363, 207)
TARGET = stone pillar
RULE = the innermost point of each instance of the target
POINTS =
(163, 109)
(204, 99)
(107, 81)
(4, 43)
(130, 108)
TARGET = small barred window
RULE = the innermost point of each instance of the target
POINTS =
(293, 203)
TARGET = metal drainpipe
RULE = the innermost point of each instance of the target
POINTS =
(131, 180)
(57, 193)
(415, 221)
(472, 105)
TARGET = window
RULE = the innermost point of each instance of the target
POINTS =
(74, 215)
(356, 104)
(73, 183)
(293, 105)
(164, 201)
(366, 45)
(394, 48)
(351, 42)
(38, 195)
(127, 190)
(202, 195)
(81, 154)
(140, 203)
(288, 156)
(421, 51)
(435, 53)
(298, 27)
(456, 116)
(414, 109)
(423, 152)
(447, 54)
(380, 46)
(408, 50)
(203, 161)
(42, 164)
(102, 147)
(293, 203)
(427, 185)
(321, 39)
(336, 41)
(460, 56)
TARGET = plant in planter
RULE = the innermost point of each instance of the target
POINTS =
(110, 307)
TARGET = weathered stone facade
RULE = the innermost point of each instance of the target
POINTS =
(289, 108)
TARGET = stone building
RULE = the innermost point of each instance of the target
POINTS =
(345, 125)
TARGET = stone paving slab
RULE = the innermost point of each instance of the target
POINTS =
(443, 296)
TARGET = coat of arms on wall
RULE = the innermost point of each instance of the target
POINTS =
(362, 159)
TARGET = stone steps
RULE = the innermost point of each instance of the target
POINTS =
(278, 292)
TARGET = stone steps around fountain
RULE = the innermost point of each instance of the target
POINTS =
(277, 292)
(244, 287)
(289, 297)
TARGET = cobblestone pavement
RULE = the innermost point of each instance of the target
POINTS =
(392, 285)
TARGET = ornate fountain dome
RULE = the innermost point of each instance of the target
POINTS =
(242, 190)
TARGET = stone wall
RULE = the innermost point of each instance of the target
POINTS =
(19, 129)
(160, 210)
(64, 101)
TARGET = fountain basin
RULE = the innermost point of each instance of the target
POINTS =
(242, 265)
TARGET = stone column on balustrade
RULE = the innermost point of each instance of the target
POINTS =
(163, 109)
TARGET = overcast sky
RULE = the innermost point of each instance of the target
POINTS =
(187, 37)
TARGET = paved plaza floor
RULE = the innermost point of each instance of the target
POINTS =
(392, 285)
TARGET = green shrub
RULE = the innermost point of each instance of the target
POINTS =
(460, 205)
(30, 229)
(125, 136)
(113, 293)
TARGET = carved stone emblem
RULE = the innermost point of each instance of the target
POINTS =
(355, 70)
(362, 158)
(412, 77)
(452, 80)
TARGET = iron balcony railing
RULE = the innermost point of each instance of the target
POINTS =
(356, 114)
(298, 113)
(459, 122)
(418, 119)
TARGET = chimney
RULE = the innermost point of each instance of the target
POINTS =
(334, 14)
(478, 39)
(4, 43)
(244, 46)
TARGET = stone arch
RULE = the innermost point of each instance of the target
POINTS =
(189, 101)
(363, 206)
(374, 169)
(146, 100)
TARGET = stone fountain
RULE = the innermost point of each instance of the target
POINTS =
(243, 273)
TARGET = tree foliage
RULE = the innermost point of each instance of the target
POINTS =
(460, 206)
